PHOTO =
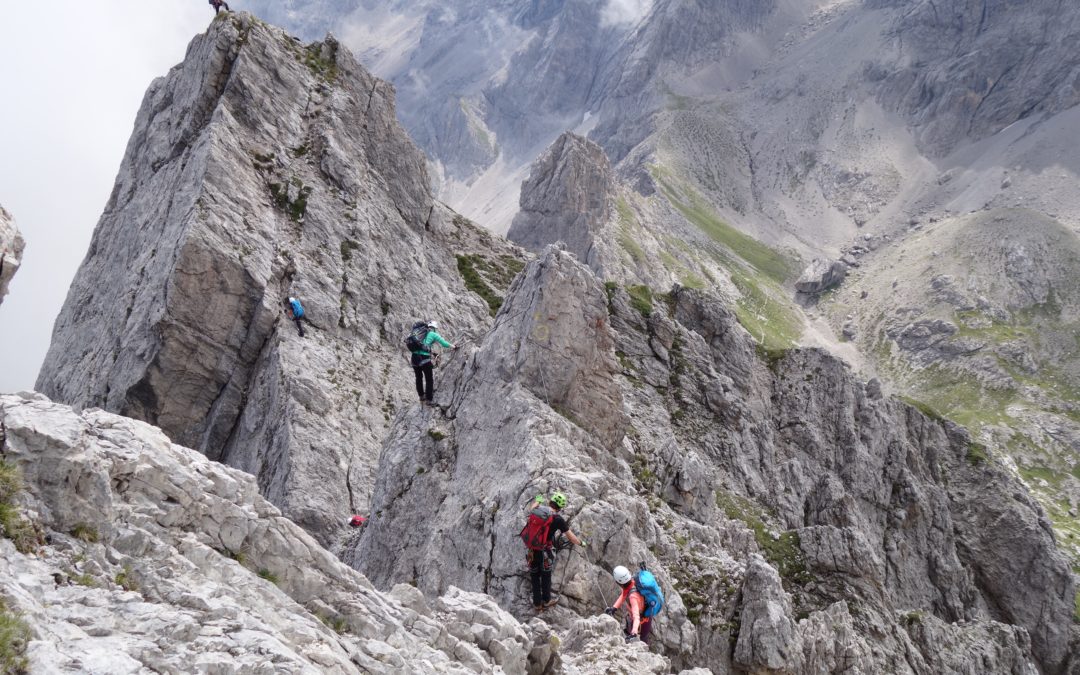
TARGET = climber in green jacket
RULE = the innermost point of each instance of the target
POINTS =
(419, 342)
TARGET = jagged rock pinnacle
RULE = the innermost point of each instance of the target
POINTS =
(261, 168)
(11, 250)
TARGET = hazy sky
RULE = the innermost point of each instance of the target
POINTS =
(72, 76)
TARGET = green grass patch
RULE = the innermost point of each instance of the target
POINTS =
(436, 435)
(295, 208)
(697, 210)
(769, 320)
(977, 454)
(266, 574)
(335, 623)
(84, 579)
(126, 580)
(924, 408)
(15, 636)
(347, 247)
(324, 65)
(641, 299)
(783, 551)
(19, 530)
(86, 532)
(467, 265)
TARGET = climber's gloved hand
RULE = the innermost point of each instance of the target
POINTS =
(610, 611)
(584, 544)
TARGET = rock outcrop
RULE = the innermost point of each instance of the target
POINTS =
(689, 452)
(569, 197)
(820, 276)
(146, 556)
(261, 168)
(11, 250)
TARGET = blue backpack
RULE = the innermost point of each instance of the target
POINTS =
(646, 585)
(297, 308)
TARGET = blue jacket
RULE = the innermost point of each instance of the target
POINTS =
(297, 309)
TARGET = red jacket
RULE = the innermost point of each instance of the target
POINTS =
(635, 605)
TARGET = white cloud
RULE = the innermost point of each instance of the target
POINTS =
(625, 11)
(73, 78)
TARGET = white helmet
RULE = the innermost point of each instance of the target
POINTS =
(621, 574)
(433, 325)
(292, 299)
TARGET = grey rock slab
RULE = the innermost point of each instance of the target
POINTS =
(821, 275)
(11, 250)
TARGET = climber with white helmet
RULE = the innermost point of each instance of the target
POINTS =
(643, 599)
(542, 526)
(419, 341)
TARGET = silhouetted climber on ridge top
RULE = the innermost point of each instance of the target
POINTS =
(218, 4)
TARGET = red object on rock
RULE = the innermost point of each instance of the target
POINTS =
(357, 521)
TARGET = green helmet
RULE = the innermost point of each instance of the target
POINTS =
(559, 500)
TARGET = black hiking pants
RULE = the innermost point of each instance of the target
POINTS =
(540, 564)
(425, 376)
(299, 325)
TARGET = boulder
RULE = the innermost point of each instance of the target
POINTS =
(821, 275)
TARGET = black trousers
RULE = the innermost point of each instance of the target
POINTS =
(540, 564)
(299, 325)
(425, 376)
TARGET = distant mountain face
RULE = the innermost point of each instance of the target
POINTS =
(486, 86)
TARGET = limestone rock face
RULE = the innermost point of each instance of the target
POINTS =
(259, 169)
(11, 250)
(151, 557)
(757, 490)
(568, 197)
(821, 275)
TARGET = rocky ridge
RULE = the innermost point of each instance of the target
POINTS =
(977, 317)
(147, 557)
(680, 446)
(11, 250)
(261, 168)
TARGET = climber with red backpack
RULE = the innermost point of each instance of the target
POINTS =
(543, 525)
(643, 599)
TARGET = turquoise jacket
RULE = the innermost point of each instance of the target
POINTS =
(431, 337)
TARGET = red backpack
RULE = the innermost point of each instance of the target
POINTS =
(537, 527)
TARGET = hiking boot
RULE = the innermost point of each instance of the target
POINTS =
(551, 603)
(538, 608)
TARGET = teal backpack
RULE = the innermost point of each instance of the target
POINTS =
(647, 586)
